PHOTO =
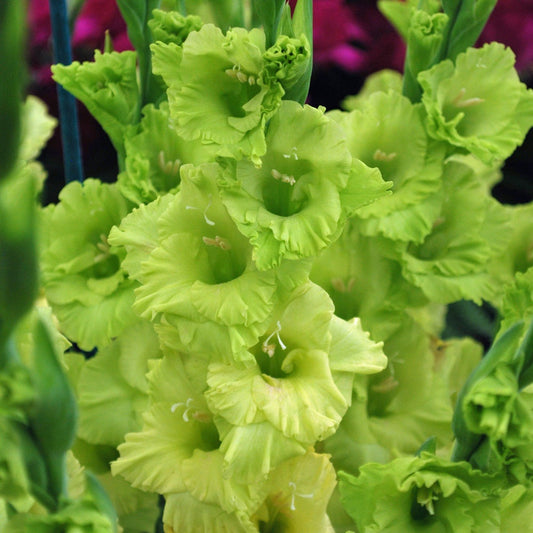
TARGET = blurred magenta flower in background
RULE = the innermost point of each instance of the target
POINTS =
(94, 19)
(88, 33)
(353, 35)
(511, 23)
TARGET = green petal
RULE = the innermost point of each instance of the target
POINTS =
(485, 115)
(138, 234)
(185, 514)
(37, 128)
(215, 69)
(381, 81)
(203, 474)
(518, 300)
(152, 458)
(109, 407)
(81, 273)
(252, 451)
(108, 88)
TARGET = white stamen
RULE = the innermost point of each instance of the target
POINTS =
(292, 485)
(293, 154)
(187, 406)
(251, 80)
(271, 348)
(206, 218)
(387, 385)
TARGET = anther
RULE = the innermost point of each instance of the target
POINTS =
(242, 77)
(459, 102)
(285, 178)
(218, 241)
(293, 154)
(340, 286)
(379, 155)
(270, 349)
(387, 385)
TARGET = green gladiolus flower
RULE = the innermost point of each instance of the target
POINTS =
(364, 281)
(216, 91)
(108, 88)
(485, 114)
(213, 293)
(291, 392)
(154, 156)
(296, 204)
(84, 284)
(452, 261)
(423, 493)
(494, 406)
(375, 133)
(299, 492)
(112, 390)
(177, 423)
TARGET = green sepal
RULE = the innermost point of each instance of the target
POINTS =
(54, 414)
(302, 24)
(268, 15)
(470, 436)
(137, 13)
(424, 40)
(96, 492)
(467, 20)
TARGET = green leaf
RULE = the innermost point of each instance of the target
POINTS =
(12, 61)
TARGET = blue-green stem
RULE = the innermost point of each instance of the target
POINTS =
(68, 113)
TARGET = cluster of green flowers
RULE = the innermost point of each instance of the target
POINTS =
(265, 285)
